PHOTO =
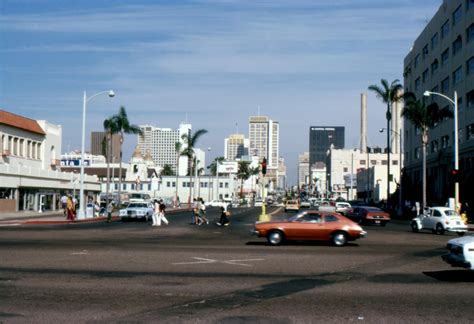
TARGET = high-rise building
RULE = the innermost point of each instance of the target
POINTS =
(442, 60)
(98, 145)
(236, 146)
(264, 136)
(303, 169)
(321, 139)
(161, 144)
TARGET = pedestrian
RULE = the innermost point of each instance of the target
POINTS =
(161, 215)
(202, 212)
(223, 221)
(64, 205)
(156, 214)
(197, 213)
(110, 209)
(179, 202)
(70, 208)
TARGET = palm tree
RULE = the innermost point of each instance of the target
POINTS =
(191, 140)
(389, 94)
(423, 118)
(110, 128)
(167, 170)
(123, 126)
(243, 173)
(213, 166)
(253, 172)
(177, 148)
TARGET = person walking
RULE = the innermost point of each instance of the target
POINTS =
(202, 212)
(110, 209)
(64, 205)
(161, 215)
(70, 208)
(194, 207)
(156, 221)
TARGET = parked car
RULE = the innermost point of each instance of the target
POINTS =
(326, 206)
(258, 202)
(369, 215)
(137, 210)
(461, 252)
(311, 225)
(343, 208)
(217, 203)
(439, 220)
(305, 204)
(292, 205)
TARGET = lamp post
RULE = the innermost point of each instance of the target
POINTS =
(399, 134)
(456, 144)
(85, 100)
(208, 182)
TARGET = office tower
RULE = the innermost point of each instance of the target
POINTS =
(321, 138)
(161, 144)
(235, 146)
(99, 146)
(264, 139)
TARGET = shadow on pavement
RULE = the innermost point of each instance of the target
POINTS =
(452, 275)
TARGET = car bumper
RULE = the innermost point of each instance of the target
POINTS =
(456, 229)
(457, 261)
(362, 234)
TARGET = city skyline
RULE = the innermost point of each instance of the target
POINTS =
(209, 63)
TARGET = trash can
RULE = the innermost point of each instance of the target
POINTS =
(89, 211)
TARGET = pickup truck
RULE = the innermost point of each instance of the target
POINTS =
(461, 252)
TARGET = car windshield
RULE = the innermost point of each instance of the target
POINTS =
(133, 205)
(450, 212)
(373, 209)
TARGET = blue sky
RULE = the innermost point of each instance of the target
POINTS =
(302, 62)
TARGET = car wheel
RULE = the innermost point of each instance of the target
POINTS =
(414, 227)
(275, 237)
(339, 239)
(461, 233)
(439, 229)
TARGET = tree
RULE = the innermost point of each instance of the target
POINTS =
(122, 126)
(389, 94)
(167, 170)
(243, 173)
(423, 118)
(213, 166)
(191, 140)
(110, 128)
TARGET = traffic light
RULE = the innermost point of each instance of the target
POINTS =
(264, 166)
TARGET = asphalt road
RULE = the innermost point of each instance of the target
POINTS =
(132, 272)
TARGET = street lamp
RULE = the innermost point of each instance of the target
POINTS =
(111, 94)
(399, 134)
(456, 147)
(209, 182)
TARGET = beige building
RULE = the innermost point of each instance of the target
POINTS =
(303, 169)
(235, 146)
(442, 60)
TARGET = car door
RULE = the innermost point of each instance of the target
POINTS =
(311, 227)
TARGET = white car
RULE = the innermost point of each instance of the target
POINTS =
(461, 252)
(439, 220)
(216, 203)
(137, 210)
(258, 202)
(343, 208)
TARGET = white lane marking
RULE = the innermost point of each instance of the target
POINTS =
(201, 260)
(208, 261)
(83, 252)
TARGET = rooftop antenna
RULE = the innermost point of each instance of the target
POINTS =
(236, 128)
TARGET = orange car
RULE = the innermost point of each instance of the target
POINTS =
(311, 225)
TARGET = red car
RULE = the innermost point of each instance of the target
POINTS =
(369, 215)
(311, 225)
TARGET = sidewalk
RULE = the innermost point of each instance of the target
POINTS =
(57, 218)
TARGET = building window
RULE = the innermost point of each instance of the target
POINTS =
(362, 162)
(434, 67)
(470, 99)
(445, 29)
(445, 57)
(384, 162)
(425, 75)
(445, 141)
(425, 51)
(394, 162)
(173, 184)
(345, 170)
(184, 184)
(417, 153)
(417, 83)
(445, 85)
(457, 75)
(227, 185)
(469, 4)
(434, 41)
(38, 152)
(434, 146)
(168, 184)
(220, 185)
(124, 186)
(460, 105)
(457, 45)
(373, 162)
(469, 131)
(470, 66)
(417, 60)
(457, 14)
(470, 33)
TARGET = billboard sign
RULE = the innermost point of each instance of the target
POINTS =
(228, 167)
(74, 162)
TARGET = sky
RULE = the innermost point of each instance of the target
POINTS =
(212, 63)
